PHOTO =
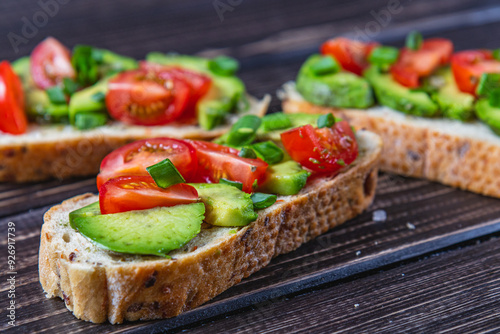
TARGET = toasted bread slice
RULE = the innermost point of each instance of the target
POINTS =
(458, 154)
(99, 285)
(61, 152)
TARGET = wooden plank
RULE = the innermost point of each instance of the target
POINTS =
(421, 217)
(454, 292)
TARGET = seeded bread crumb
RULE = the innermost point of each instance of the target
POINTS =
(99, 285)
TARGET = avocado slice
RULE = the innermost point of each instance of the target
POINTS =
(225, 205)
(295, 120)
(452, 102)
(223, 96)
(341, 89)
(393, 95)
(89, 100)
(155, 231)
(488, 114)
(22, 68)
(285, 178)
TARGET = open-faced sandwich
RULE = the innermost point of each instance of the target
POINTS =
(62, 112)
(438, 112)
(177, 222)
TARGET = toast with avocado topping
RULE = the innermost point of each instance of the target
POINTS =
(112, 264)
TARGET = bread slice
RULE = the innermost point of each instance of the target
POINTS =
(99, 285)
(59, 151)
(458, 154)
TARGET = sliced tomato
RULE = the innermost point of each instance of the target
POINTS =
(351, 54)
(128, 193)
(468, 66)
(145, 97)
(217, 161)
(50, 62)
(324, 150)
(413, 65)
(12, 117)
(132, 159)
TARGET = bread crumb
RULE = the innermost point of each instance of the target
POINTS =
(410, 226)
(379, 216)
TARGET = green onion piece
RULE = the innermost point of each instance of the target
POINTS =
(243, 131)
(414, 40)
(269, 152)
(325, 65)
(56, 95)
(494, 98)
(235, 184)
(276, 121)
(89, 120)
(326, 121)
(488, 83)
(70, 86)
(84, 65)
(496, 54)
(383, 56)
(97, 55)
(247, 152)
(98, 97)
(224, 65)
(262, 201)
(341, 162)
(165, 174)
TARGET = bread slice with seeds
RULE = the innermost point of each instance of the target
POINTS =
(99, 285)
(458, 154)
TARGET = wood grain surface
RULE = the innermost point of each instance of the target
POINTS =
(316, 287)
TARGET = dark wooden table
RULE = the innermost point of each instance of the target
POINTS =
(432, 266)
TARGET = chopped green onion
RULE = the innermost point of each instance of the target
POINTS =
(89, 120)
(325, 65)
(165, 174)
(326, 121)
(276, 121)
(243, 131)
(494, 98)
(70, 86)
(235, 184)
(496, 54)
(414, 40)
(341, 162)
(97, 55)
(56, 95)
(269, 152)
(224, 65)
(84, 64)
(262, 201)
(98, 97)
(488, 83)
(383, 56)
(247, 152)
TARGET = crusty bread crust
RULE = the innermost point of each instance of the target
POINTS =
(62, 152)
(465, 156)
(159, 288)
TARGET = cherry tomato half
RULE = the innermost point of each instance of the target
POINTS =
(50, 62)
(413, 65)
(217, 161)
(145, 97)
(322, 150)
(12, 117)
(351, 54)
(133, 158)
(468, 66)
(128, 193)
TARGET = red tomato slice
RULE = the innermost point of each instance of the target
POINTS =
(351, 54)
(132, 159)
(468, 66)
(199, 85)
(128, 193)
(322, 150)
(12, 117)
(217, 161)
(413, 65)
(144, 97)
(50, 63)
